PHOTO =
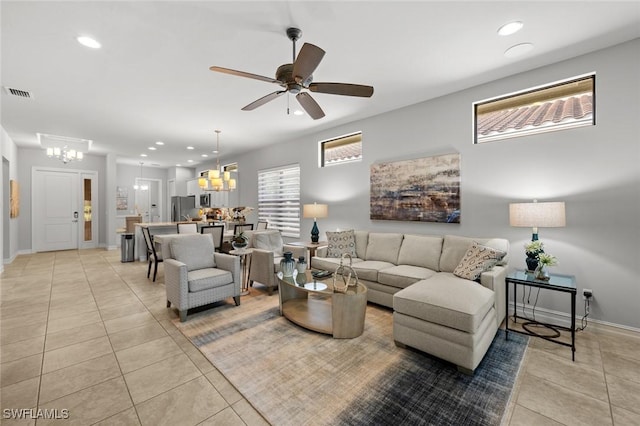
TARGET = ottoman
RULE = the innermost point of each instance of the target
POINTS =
(448, 317)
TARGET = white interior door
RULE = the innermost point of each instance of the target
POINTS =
(56, 212)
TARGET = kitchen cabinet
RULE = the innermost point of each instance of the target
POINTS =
(194, 189)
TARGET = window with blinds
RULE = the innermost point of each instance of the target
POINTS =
(279, 199)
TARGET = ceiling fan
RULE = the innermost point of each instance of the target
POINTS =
(297, 77)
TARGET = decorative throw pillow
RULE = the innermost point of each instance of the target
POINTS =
(477, 260)
(341, 242)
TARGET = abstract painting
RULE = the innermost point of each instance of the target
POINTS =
(422, 190)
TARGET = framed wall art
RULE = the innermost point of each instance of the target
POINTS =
(14, 199)
(422, 190)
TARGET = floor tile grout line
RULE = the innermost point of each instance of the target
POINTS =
(113, 349)
(45, 335)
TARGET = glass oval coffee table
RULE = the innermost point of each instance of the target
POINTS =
(311, 303)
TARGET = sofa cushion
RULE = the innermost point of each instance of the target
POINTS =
(362, 239)
(204, 279)
(402, 276)
(329, 263)
(477, 260)
(421, 250)
(269, 240)
(446, 300)
(368, 269)
(195, 251)
(384, 247)
(341, 242)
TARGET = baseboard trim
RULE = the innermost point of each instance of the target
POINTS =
(563, 319)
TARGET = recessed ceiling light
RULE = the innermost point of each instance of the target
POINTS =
(215, 151)
(204, 155)
(143, 155)
(88, 42)
(152, 148)
(298, 112)
(190, 147)
(178, 165)
(189, 161)
(518, 50)
(159, 143)
(510, 28)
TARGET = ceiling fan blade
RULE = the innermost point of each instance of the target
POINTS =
(263, 100)
(310, 105)
(245, 74)
(307, 61)
(342, 89)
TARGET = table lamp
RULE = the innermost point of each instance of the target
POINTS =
(537, 215)
(315, 211)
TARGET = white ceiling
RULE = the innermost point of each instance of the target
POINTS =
(151, 81)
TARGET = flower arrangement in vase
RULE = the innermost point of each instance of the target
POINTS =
(533, 249)
(544, 261)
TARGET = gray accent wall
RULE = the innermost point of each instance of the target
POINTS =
(595, 170)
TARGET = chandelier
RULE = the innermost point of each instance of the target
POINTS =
(217, 180)
(64, 148)
(64, 154)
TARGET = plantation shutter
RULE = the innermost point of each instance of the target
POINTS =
(279, 199)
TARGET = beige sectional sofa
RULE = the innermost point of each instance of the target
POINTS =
(435, 310)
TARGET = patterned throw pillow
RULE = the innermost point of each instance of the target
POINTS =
(341, 242)
(477, 260)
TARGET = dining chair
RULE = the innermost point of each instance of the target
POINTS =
(153, 255)
(187, 228)
(217, 232)
(241, 228)
(262, 225)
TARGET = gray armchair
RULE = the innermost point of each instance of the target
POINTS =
(268, 249)
(194, 275)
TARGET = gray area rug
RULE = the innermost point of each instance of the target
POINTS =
(298, 377)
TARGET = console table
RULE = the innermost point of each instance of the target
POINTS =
(556, 282)
(312, 304)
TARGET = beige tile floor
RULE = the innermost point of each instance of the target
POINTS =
(84, 332)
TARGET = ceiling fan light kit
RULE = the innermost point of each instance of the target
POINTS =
(297, 79)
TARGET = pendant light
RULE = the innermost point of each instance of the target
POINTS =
(142, 186)
(214, 180)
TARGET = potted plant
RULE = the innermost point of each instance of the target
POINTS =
(544, 261)
(532, 250)
(239, 241)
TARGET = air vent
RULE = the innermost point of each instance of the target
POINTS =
(17, 92)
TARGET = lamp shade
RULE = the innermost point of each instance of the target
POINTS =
(315, 210)
(537, 215)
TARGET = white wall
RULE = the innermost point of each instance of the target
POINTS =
(593, 169)
(9, 153)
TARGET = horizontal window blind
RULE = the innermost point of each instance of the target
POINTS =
(279, 199)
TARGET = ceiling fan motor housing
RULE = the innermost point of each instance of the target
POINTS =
(285, 75)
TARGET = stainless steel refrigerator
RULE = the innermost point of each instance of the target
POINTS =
(181, 207)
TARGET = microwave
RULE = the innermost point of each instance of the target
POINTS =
(205, 200)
